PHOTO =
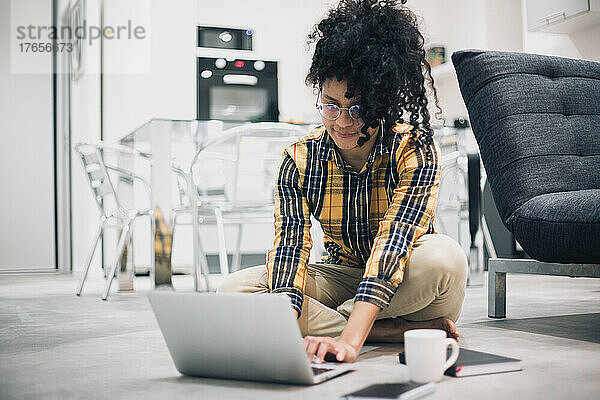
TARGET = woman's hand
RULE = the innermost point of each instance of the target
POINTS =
(319, 346)
(347, 347)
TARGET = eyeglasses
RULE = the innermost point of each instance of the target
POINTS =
(333, 112)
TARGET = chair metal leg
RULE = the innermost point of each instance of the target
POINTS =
(123, 239)
(221, 239)
(237, 258)
(488, 242)
(200, 264)
(201, 259)
(496, 292)
(89, 257)
(475, 276)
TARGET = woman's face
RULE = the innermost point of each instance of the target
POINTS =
(345, 130)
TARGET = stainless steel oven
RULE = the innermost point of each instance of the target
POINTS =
(237, 90)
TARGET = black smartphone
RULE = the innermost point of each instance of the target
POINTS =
(404, 391)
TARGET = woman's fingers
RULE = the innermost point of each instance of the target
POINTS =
(311, 345)
(341, 355)
(323, 349)
(318, 347)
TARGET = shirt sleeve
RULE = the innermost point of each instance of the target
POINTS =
(408, 217)
(287, 261)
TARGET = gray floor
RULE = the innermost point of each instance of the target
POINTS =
(56, 345)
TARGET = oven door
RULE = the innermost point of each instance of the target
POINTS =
(232, 95)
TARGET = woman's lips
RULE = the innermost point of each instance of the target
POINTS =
(345, 135)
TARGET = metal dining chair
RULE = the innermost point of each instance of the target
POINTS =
(233, 181)
(182, 215)
(113, 214)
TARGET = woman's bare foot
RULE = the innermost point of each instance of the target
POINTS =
(392, 330)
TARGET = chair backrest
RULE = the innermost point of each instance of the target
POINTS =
(99, 179)
(239, 168)
(183, 189)
(536, 121)
(105, 167)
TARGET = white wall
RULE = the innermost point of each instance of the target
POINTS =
(465, 24)
(587, 43)
(167, 88)
(26, 151)
(490, 25)
(85, 127)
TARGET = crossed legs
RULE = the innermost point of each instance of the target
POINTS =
(430, 296)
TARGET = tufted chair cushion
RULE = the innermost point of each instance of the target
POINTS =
(537, 122)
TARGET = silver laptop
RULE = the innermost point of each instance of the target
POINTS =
(237, 336)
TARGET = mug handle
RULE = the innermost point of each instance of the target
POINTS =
(454, 355)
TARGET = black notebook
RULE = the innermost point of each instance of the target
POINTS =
(471, 362)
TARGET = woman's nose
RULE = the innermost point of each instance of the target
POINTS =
(345, 119)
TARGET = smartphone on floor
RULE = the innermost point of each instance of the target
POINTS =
(404, 391)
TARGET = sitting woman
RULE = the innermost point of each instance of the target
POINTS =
(370, 175)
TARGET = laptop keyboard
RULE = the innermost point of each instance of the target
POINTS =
(319, 371)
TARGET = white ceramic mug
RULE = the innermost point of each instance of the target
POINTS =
(425, 351)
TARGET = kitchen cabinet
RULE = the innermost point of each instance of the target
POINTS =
(562, 16)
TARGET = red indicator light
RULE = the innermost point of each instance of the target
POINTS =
(239, 63)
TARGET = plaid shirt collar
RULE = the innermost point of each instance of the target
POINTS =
(327, 147)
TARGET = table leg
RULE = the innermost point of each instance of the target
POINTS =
(161, 204)
(126, 271)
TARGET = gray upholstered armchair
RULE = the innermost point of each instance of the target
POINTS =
(537, 122)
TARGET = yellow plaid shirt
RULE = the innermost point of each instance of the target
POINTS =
(370, 219)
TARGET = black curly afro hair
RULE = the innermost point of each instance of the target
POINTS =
(377, 48)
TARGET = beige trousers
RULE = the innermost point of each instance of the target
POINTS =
(433, 286)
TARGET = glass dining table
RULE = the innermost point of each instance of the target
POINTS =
(169, 146)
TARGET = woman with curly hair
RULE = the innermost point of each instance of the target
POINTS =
(370, 175)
